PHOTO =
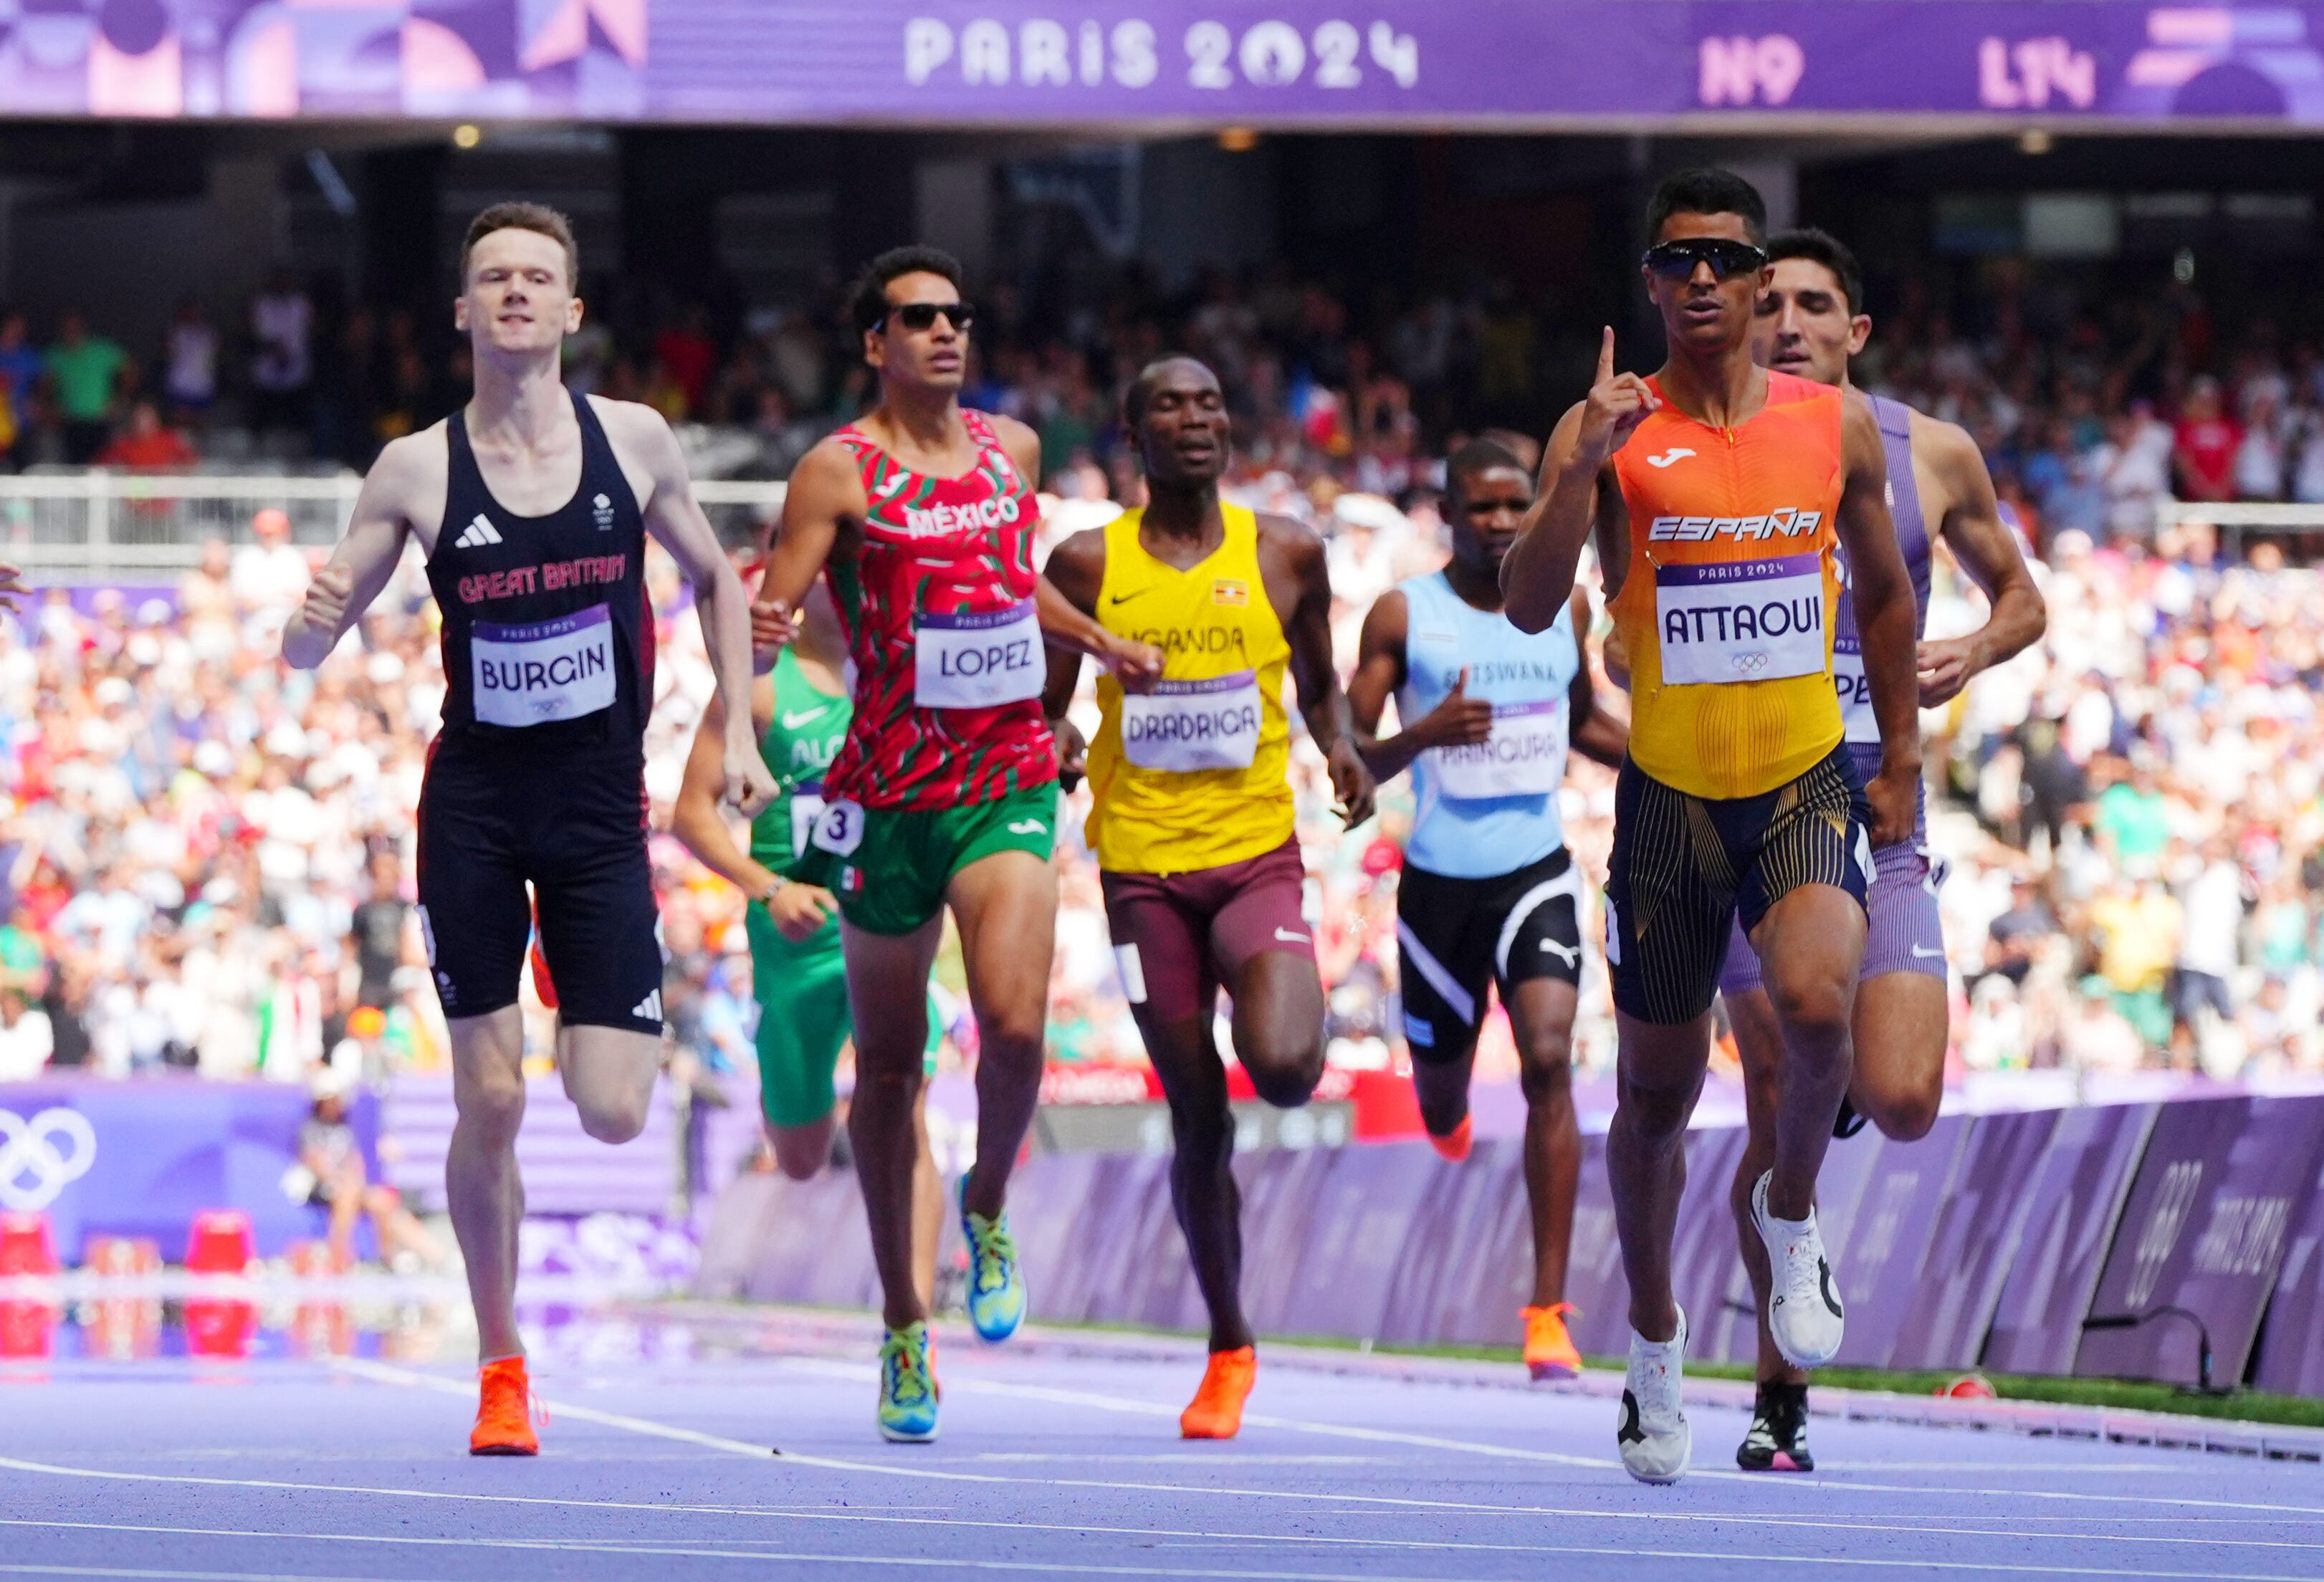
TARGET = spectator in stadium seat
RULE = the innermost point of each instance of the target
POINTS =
(282, 363)
(2133, 467)
(2098, 1037)
(84, 376)
(2203, 449)
(25, 1040)
(273, 572)
(2133, 815)
(146, 445)
(189, 363)
(376, 932)
(21, 368)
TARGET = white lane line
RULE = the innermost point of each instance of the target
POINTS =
(13, 1569)
(677, 1551)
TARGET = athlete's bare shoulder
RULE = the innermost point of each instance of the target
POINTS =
(1022, 443)
(635, 427)
(1290, 545)
(1076, 568)
(1946, 449)
(828, 478)
(410, 475)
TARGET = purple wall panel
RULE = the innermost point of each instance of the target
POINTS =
(1280, 1193)
(1600, 1323)
(1468, 1263)
(1706, 1259)
(2291, 1344)
(1973, 1243)
(1880, 1258)
(1722, 1318)
(2077, 1192)
(1363, 1213)
(2204, 1229)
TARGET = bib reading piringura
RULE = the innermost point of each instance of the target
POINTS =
(1729, 609)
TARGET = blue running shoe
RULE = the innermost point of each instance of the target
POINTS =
(996, 1283)
(908, 1386)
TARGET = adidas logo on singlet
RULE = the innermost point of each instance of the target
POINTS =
(476, 535)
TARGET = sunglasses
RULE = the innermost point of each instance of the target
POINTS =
(918, 316)
(1676, 261)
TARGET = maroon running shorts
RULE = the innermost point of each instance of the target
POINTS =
(1177, 937)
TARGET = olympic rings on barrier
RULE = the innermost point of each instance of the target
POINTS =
(33, 1172)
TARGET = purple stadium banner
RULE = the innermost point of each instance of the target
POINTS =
(2077, 1192)
(2204, 1230)
(1468, 1259)
(1884, 1246)
(2291, 1342)
(1970, 1246)
(1037, 62)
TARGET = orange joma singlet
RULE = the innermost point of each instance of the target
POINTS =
(1727, 612)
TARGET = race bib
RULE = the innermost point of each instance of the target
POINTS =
(1186, 726)
(840, 829)
(978, 661)
(1524, 757)
(543, 671)
(1855, 691)
(806, 807)
(1732, 620)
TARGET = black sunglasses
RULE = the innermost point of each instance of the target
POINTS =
(1676, 261)
(922, 316)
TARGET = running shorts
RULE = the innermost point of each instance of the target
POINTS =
(573, 827)
(1684, 867)
(1178, 936)
(804, 1020)
(1907, 930)
(1454, 936)
(890, 866)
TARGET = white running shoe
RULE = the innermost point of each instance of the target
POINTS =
(1654, 1439)
(1804, 1310)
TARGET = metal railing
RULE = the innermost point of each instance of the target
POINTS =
(102, 525)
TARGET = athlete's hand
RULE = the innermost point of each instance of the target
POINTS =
(1137, 666)
(799, 910)
(322, 610)
(1894, 794)
(750, 783)
(12, 586)
(1946, 666)
(1617, 404)
(773, 628)
(1351, 783)
(1459, 720)
(1073, 753)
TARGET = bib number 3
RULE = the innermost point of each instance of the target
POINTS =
(840, 830)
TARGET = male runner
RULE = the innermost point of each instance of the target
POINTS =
(1720, 492)
(800, 712)
(944, 792)
(1191, 811)
(1490, 896)
(532, 506)
(1808, 322)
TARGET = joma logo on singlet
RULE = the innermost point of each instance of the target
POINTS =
(1788, 522)
(960, 519)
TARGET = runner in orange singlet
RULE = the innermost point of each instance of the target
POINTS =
(1720, 493)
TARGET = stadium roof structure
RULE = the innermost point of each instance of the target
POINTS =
(1161, 65)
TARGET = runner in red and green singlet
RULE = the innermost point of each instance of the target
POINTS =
(945, 793)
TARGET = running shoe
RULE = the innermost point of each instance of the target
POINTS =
(1654, 1439)
(908, 1386)
(1804, 1310)
(505, 1412)
(1455, 1145)
(996, 1283)
(1549, 1351)
(1216, 1413)
(1778, 1439)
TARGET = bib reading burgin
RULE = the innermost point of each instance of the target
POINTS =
(1727, 610)
(942, 635)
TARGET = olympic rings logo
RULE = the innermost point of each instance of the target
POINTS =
(33, 1170)
(1752, 663)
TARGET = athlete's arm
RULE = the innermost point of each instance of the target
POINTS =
(360, 567)
(1596, 732)
(1986, 550)
(1322, 704)
(1076, 572)
(675, 518)
(1458, 721)
(825, 490)
(797, 909)
(1886, 618)
(1537, 576)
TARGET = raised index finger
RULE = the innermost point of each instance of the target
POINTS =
(1606, 356)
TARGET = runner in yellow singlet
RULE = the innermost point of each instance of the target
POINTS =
(1192, 820)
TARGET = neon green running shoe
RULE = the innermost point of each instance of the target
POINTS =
(908, 1386)
(996, 1282)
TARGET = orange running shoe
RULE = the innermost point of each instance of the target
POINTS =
(1456, 1147)
(1217, 1410)
(1549, 1352)
(504, 1415)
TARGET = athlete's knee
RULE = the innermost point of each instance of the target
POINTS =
(1013, 1027)
(491, 1106)
(615, 1116)
(1653, 1111)
(1814, 1008)
(1903, 1111)
(1546, 1065)
(1283, 1068)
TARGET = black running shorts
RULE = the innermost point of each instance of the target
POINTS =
(1685, 867)
(573, 827)
(1454, 936)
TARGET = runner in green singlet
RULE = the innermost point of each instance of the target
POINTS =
(802, 712)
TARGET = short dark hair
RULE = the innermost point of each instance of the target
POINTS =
(1824, 248)
(523, 216)
(1478, 455)
(1706, 191)
(867, 303)
(1141, 387)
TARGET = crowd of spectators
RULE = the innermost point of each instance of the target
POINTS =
(206, 860)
